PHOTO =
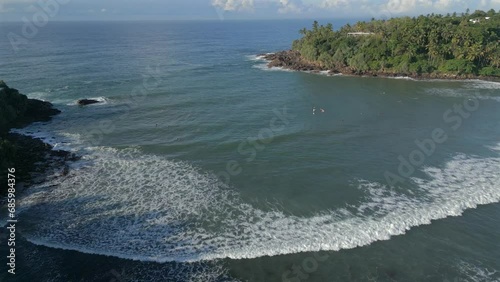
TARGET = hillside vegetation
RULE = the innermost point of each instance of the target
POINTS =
(464, 45)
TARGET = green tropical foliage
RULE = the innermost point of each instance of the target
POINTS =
(466, 44)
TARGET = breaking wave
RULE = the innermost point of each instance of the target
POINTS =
(472, 92)
(131, 205)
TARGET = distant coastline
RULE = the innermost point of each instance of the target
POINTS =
(292, 60)
(451, 47)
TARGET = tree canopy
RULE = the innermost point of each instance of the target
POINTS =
(465, 44)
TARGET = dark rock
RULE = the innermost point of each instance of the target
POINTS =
(60, 153)
(30, 156)
(291, 60)
(85, 102)
(35, 160)
(16, 110)
(65, 170)
(37, 110)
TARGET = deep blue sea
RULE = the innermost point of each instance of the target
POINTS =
(201, 164)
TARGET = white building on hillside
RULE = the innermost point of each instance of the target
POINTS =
(359, 33)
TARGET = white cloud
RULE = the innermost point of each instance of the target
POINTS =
(400, 6)
(2, 9)
(288, 6)
(16, 1)
(334, 3)
(103, 10)
(5, 9)
(443, 4)
(405, 6)
(233, 5)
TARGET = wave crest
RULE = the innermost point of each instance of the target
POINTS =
(143, 207)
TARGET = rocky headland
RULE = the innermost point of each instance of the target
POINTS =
(292, 60)
(31, 157)
(86, 102)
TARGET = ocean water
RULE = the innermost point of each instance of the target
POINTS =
(201, 164)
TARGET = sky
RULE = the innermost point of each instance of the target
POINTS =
(16, 10)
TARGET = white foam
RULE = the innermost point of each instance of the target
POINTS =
(43, 96)
(265, 67)
(483, 84)
(257, 58)
(495, 148)
(478, 273)
(144, 207)
(401, 77)
(64, 141)
(483, 90)
(462, 93)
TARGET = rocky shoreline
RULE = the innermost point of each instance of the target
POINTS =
(292, 60)
(35, 160)
(32, 158)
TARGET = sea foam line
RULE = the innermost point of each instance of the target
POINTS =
(149, 208)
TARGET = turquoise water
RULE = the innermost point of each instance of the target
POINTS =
(201, 164)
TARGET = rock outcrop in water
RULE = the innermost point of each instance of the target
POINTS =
(85, 102)
(291, 60)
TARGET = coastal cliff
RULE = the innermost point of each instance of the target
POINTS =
(465, 46)
(29, 156)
